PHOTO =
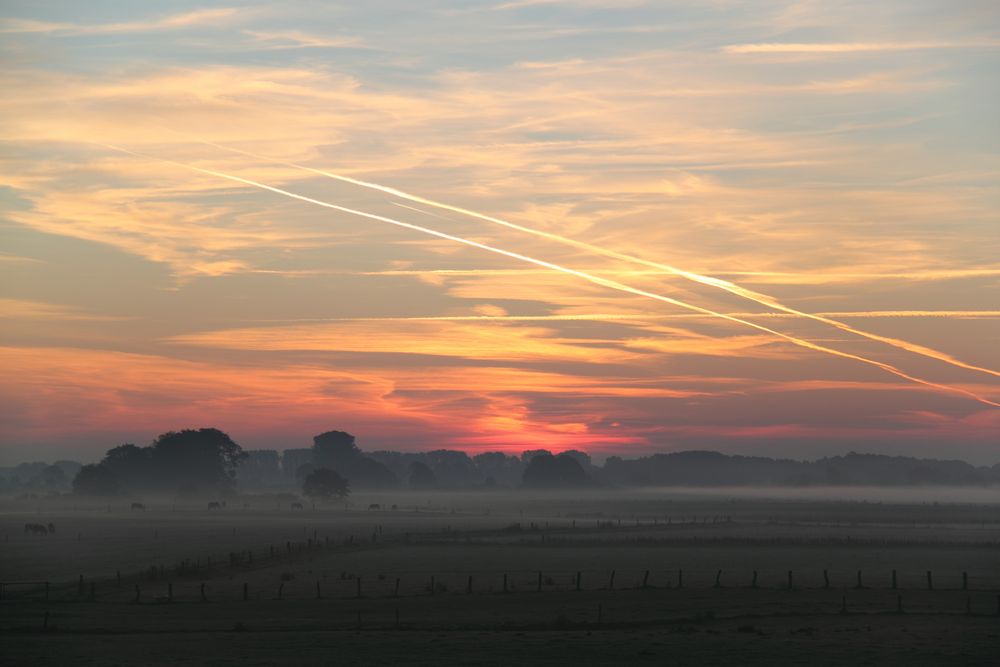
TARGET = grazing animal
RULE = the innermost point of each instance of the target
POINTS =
(296, 506)
(36, 529)
(52, 528)
(374, 506)
(139, 506)
(214, 506)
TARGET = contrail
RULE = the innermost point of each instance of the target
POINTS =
(732, 288)
(597, 280)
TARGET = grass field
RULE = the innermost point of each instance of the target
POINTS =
(476, 578)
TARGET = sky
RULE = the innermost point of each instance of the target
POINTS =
(621, 226)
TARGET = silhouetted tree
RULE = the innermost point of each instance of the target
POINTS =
(325, 483)
(555, 472)
(205, 458)
(337, 450)
(422, 478)
(54, 479)
(96, 480)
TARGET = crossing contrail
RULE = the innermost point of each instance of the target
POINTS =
(597, 280)
(718, 283)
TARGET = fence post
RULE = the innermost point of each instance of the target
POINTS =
(826, 579)
(645, 579)
(203, 598)
(930, 581)
(319, 592)
(281, 590)
(611, 582)
(965, 581)
(859, 580)
(718, 577)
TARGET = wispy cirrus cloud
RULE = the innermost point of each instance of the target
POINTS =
(834, 48)
(185, 20)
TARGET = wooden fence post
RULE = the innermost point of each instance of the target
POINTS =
(859, 580)
(930, 581)
(718, 577)
(753, 583)
(281, 590)
(611, 582)
(203, 598)
(645, 579)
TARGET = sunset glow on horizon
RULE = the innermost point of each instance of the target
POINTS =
(622, 227)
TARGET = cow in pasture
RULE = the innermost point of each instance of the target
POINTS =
(36, 529)
(214, 506)
(297, 506)
(374, 506)
(138, 506)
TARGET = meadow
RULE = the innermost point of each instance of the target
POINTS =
(505, 577)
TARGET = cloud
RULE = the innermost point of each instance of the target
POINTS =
(833, 48)
(201, 17)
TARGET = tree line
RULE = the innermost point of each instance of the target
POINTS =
(207, 460)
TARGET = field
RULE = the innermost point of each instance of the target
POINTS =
(506, 578)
